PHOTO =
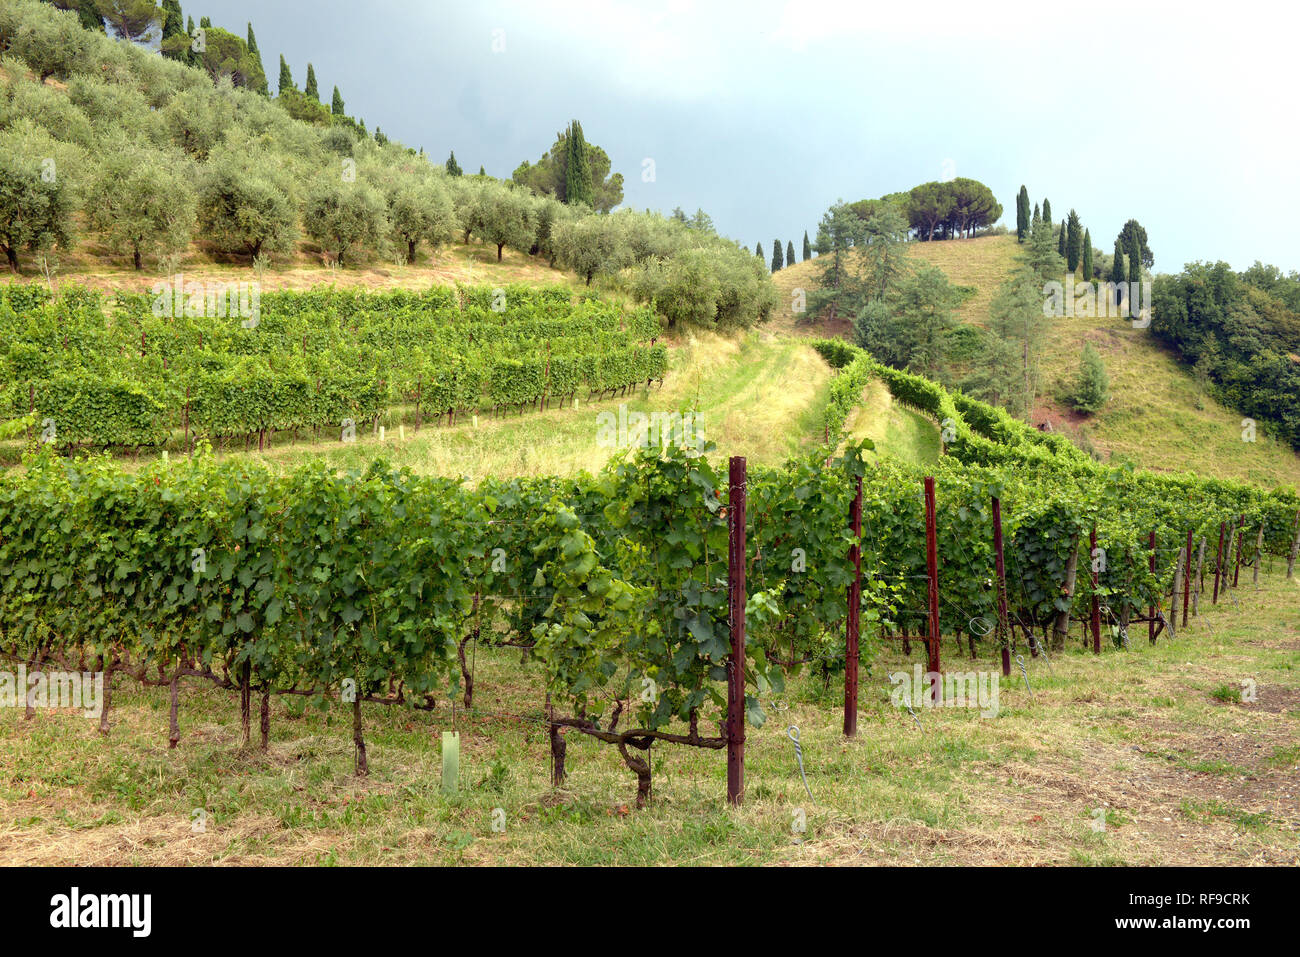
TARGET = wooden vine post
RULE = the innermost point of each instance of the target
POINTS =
(1151, 609)
(1218, 562)
(736, 493)
(1095, 604)
(854, 617)
(1241, 527)
(1259, 555)
(1295, 549)
(1004, 629)
(932, 573)
(1187, 579)
(1200, 579)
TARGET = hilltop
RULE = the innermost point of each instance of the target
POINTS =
(1158, 417)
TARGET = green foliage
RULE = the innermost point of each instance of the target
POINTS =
(35, 209)
(777, 261)
(1092, 387)
(1073, 242)
(549, 175)
(1238, 336)
(342, 215)
(452, 167)
(578, 173)
(286, 78)
(310, 90)
(1133, 232)
(146, 203)
(242, 210)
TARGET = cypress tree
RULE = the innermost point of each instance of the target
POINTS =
(577, 175)
(174, 42)
(1087, 256)
(758, 250)
(789, 253)
(1117, 269)
(260, 84)
(190, 57)
(286, 80)
(310, 90)
(1060, 241)
(336, 104)
(453, 168)
(1073, 241)
(807, 247)
(1134, 258)
(205, 23)
(481, 170)
(1047, 211)
(1022, 214)
(1038, 218)
(777, 261)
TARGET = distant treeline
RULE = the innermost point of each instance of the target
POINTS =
(1241, 333)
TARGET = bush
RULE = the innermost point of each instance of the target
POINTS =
(1092, 387)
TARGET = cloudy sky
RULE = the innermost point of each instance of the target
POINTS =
(764, 113)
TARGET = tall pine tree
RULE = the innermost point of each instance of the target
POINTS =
(1047, 211)
(1038, 218)
(336, 103)
(453, 168)
(286, 80)
(789, 253)
(777, 261)
(1087, 256)
(758, 250)
(807, 247)
(1060, 241)
(1022, 214)
(310, 90)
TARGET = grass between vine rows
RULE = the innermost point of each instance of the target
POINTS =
(1156, 736)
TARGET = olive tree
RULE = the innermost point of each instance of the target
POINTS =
(241, 209)
(420, 210)
(144, 202)
(36, 202)
(506, 218)
(340, 215)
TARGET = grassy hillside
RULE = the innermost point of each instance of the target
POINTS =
(1157, 416)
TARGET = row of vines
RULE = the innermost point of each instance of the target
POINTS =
(369, 587)
(145, 371)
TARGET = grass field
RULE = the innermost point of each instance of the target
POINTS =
(1152, 741)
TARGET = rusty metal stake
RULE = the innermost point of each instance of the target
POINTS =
(736, 493)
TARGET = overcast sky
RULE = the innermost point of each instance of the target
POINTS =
(764, 113)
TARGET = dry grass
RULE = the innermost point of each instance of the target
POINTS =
(90, 264)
